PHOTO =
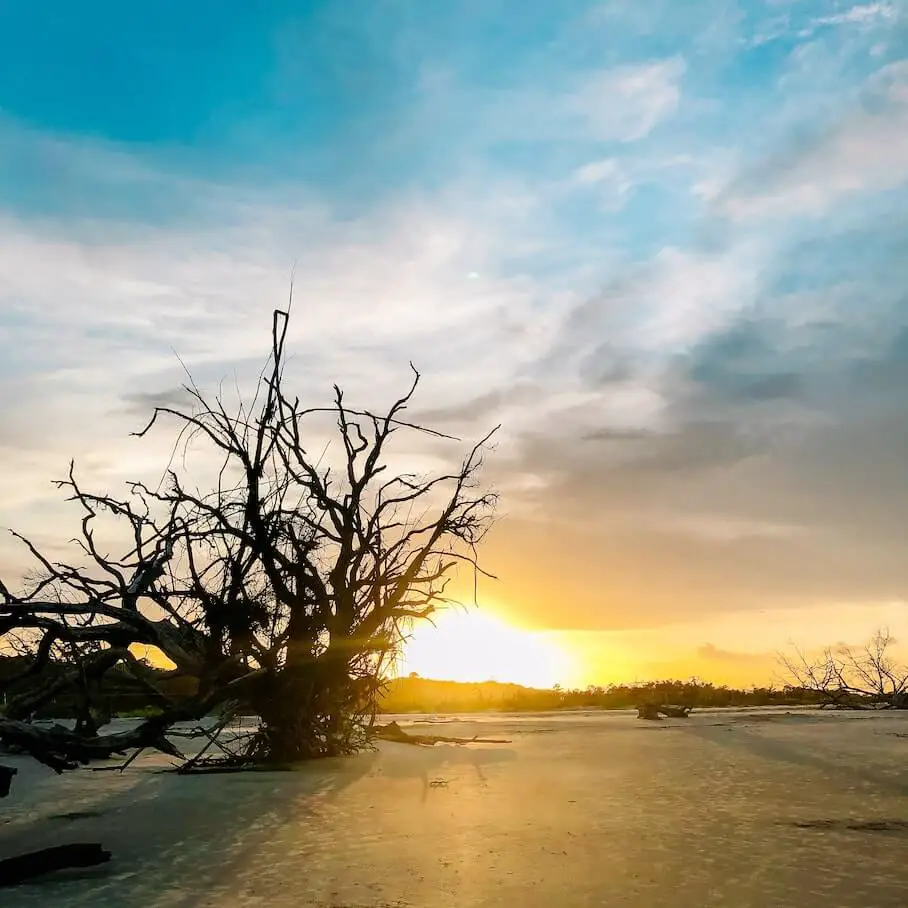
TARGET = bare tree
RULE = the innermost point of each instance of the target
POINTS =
(283, 589)
(850, 678)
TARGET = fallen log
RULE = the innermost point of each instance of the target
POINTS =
(675, 712)
(227, 763)
(393, 732)
(6, 779)
(62, 857)
(648, 711)
(654, 712)
(61, 749)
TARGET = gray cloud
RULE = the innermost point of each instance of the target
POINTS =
(776, 470)
(889, 371)
(607, 365)
(618, 434)
(144, 402)
(694, 446)
(482, 407)
(742, 364)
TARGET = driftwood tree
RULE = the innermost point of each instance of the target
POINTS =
(282, 589)
(851, 678)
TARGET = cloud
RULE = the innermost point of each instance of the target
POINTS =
(860, 14)
(483, 407)
(627, 102)
(607, 181)
(621, 104)
(743, 363)
(597, 171)
(627, 333)
(145, 402)
(866, 150)
(772, 468)
(94, 312)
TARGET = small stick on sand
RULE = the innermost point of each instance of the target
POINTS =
(393, 732)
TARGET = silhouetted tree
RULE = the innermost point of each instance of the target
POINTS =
(850, 678)
(283, 589)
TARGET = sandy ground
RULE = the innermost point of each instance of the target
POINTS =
(733, 808)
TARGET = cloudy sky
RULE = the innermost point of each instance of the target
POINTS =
(664, 244)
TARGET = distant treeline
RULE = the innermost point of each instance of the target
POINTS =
(421, 695)
(123, 695)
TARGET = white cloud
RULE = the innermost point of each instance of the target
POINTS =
(617, 103)
(597, 171)
(627, 102)
(860, 14)
(85, 322)
(90, 312)
(682, 298)
(619, 349)
(866, 151)
(607, 180)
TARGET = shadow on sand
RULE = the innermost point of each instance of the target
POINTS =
(176, 838)
(737, 736)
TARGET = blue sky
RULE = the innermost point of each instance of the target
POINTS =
(662, 242)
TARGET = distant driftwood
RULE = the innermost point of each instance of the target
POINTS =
(655, 712)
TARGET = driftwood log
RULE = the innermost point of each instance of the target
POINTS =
(23, 867)
(655, 712)
(61, 749)
(62, 857)
(6, 779)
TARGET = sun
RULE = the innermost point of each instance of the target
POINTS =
(474, 644)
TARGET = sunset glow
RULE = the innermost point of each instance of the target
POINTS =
(477, 645)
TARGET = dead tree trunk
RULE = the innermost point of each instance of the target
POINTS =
(283, 590)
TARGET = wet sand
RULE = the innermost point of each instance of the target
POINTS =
(735, 809)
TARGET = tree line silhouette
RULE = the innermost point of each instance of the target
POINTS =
(124, 696)
(423, 695)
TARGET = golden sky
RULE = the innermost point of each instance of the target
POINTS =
(490, 642)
